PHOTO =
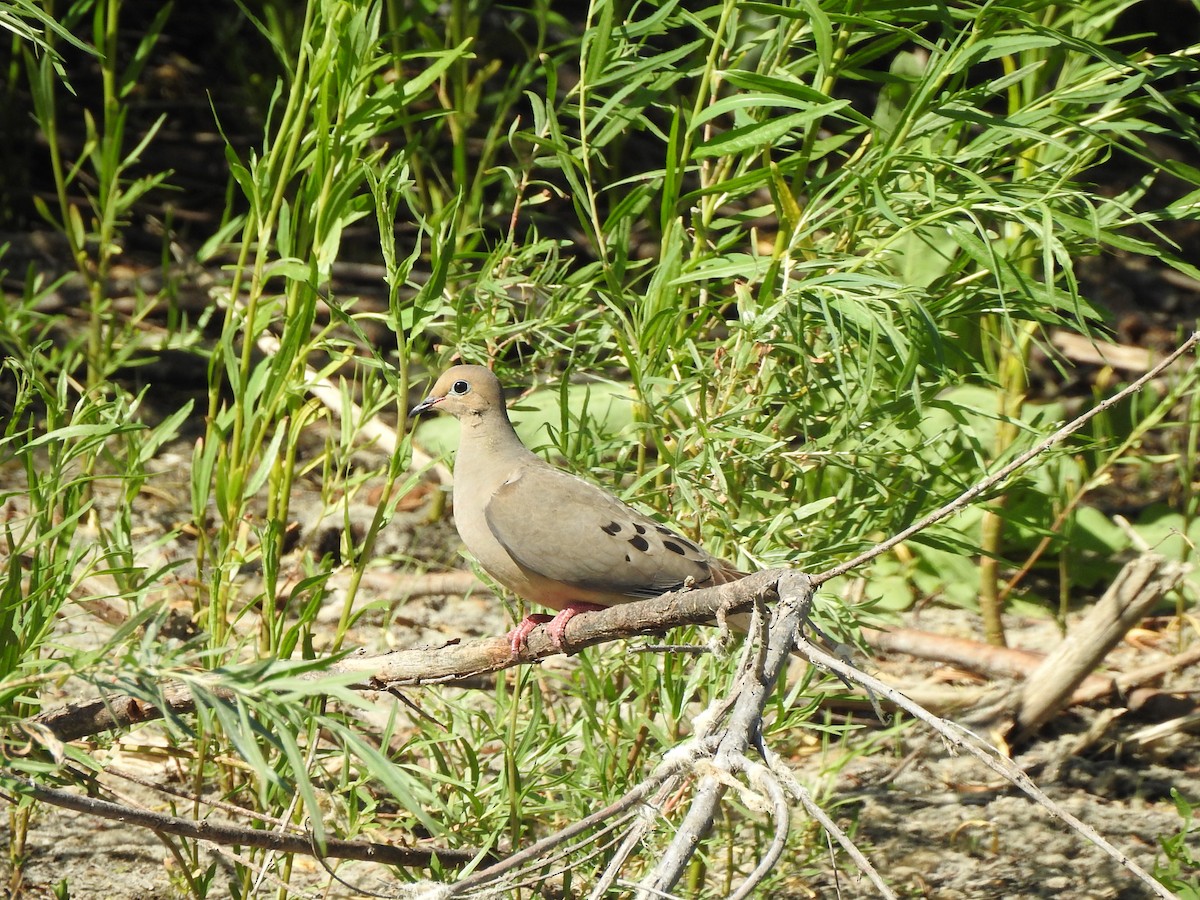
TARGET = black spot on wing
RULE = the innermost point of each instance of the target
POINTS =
(640, 543)
(610, 528)
(674, 548)
(640, 529)
(677, 539)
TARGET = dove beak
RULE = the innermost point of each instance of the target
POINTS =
(425, 405)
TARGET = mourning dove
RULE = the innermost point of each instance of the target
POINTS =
(547, 535)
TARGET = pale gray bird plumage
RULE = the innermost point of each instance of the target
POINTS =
(553, 538)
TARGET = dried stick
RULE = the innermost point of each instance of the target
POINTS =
(451, 662)
(1123, 683)
(966, 653)
(1138, 587)
(226, 833)
(755, 684)
(966, 740)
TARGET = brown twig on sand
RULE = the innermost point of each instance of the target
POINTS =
(228, 834)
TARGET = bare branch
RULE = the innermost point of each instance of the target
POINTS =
(229, 834)
(755, 683)
(451, 662)
(1136, 589)
(966, 740)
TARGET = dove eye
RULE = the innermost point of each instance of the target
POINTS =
(459, 387)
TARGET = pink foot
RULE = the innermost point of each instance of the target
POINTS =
(556, 628)
(519, 636)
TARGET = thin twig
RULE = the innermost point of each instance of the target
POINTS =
(991, 481)
(964, 739)
(801, 793)
(226, 833)
(764, 779)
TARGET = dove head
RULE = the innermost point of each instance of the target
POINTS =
(463, 391)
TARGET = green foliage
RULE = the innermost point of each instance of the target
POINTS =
(103, 173)
(1177, 871)
(61, 447)
(782, 263)
(315, 176)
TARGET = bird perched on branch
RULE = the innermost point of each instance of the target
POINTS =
(549, 536)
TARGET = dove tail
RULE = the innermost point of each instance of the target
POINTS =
(724, 573)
